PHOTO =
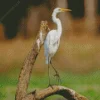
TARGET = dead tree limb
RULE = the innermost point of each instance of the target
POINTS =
(67, 93)
(25, 73)
(24, 77)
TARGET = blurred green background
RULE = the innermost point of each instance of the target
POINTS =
(77, 58)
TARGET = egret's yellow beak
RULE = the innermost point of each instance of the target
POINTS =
(63, 10)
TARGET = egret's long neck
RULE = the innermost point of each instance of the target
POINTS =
(58, 23)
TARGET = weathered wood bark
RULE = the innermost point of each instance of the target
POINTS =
(29, 62)
(21, 92)
(67, 93)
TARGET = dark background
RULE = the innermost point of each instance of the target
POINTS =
(12, 20)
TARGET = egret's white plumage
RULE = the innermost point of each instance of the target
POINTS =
(51, 45)
(52, 41)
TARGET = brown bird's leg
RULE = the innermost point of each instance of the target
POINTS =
(57, 74)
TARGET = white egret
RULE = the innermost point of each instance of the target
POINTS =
(52, 40)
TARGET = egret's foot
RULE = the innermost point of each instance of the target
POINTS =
(57, 74)
(58, 77)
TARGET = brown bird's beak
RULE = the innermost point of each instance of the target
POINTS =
(63, 10)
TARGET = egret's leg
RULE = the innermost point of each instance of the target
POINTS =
(49, 73)
(57, 74)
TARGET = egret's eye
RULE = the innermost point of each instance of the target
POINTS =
(59, 9)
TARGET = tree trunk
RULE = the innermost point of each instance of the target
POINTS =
(90, 16)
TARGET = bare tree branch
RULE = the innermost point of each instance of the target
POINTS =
(67, 93)
(26, 70)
